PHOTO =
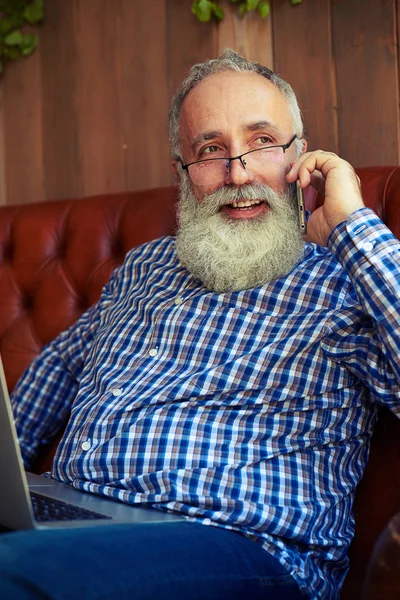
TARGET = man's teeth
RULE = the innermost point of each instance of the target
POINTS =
(245, 203)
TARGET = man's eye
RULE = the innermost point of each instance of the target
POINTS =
(265, 140)
(210, 150)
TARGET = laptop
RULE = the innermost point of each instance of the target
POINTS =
(29, 501)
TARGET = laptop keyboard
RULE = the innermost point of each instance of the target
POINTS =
(48, 509)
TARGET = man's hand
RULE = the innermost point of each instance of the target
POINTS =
(336, 180)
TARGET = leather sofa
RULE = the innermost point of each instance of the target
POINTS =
(56, 256)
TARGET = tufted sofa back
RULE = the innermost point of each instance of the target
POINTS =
(56, 256)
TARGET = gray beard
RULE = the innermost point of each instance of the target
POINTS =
(232, 255)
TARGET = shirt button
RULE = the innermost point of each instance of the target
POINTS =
(178, 301)
(367, 246)
(117, 392)
(153, 352)
(86, 445)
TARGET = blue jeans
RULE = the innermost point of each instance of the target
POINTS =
(177, 560)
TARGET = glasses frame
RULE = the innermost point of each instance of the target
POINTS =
(239, 157)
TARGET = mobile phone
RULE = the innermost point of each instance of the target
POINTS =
(301, 209)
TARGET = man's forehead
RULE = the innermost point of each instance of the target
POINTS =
(236, 98)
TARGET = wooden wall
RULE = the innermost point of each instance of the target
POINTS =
(87, 113)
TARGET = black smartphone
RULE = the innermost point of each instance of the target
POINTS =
(301, 209)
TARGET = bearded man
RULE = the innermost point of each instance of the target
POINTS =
(228, 375)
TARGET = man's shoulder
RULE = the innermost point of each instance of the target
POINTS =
(314, 254)
(320, 265)
(160, 249)
(147, 261)
(318, 281)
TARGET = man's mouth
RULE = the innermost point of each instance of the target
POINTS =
(245, 209)
(245, 204)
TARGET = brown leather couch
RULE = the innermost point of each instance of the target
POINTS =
(56, 256)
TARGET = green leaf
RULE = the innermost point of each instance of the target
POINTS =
(218, 11)
(33, 12)
(10, 23)
(14, 38)
(242, 9)
(28, 51)
(12, 52)
(14, 15)
(252, 4)
(203, 10)
(264, 8)
(29, 42)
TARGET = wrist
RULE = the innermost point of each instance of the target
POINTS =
(342, 216)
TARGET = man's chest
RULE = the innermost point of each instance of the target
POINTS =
(206, 366)
(185, 346)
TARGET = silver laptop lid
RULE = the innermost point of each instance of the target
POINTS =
(15, 508)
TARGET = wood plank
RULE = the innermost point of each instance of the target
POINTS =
(302, 56)
(364, 43)
(188, 42)
(59, 57)
(144, 94)
(99, 97)
(21, 113)
(250, 36)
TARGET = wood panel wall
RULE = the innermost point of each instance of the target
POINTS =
(87, 113)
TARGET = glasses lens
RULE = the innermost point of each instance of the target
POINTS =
(261, 159)
(208, 172)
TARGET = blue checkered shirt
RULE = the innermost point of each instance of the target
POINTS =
(248, 410)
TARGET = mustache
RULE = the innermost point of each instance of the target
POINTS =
(251, 191)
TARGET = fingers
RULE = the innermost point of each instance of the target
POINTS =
(336, 180)
(317, 181)
(308, 163)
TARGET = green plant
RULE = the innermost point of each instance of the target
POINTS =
(14, 16)
(205, 10)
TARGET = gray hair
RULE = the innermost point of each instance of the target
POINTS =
(229, 60)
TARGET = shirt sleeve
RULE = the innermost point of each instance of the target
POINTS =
(369, 345)
(43, 397)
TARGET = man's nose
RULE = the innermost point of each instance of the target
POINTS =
(239, 173)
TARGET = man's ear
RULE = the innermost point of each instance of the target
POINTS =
(175, 166)
(304, 145)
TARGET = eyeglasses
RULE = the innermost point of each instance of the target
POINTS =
(213, 171)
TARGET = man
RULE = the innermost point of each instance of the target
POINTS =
(228, 375)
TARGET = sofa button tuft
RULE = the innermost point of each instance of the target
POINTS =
(28, 303)
(8, 252)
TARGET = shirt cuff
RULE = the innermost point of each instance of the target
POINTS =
(362, 237)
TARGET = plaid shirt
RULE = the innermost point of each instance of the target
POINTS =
(247, 410)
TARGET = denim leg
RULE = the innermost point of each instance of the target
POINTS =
(179, 560)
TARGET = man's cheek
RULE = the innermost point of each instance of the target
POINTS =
(201, 192)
